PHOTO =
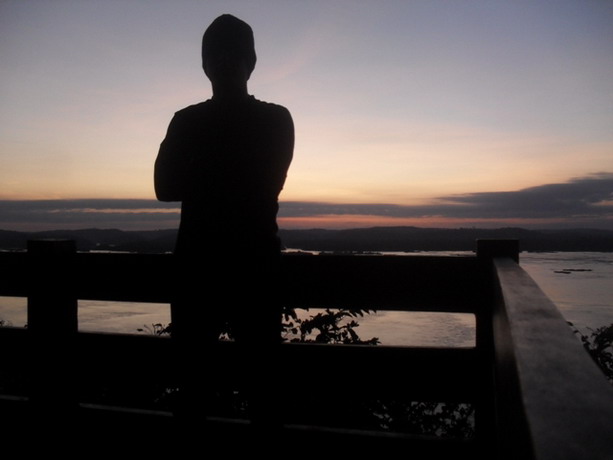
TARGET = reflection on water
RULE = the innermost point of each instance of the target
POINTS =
(120, 317)
(392, 328)
(580, 284)
(13, 311)
(420, 329)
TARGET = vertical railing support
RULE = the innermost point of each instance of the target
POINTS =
(52, 325)
(489, 249)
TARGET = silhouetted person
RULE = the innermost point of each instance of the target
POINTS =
(226, 160)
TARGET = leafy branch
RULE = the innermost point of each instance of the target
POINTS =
(599, 345)
(330, 327)
(156, 329)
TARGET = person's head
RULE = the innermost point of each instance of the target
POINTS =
(228, 50)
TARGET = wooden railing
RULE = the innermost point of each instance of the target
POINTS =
(536, 392)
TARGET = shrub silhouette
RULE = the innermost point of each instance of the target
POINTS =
(327, 327)
(599, 345)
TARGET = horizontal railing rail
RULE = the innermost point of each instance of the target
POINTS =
(425, 374)
(442, 284)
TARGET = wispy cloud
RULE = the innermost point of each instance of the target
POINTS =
(580, 201)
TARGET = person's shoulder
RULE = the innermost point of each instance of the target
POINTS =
(194, 109)
(191, 115)
(272, 109)
(270, 106)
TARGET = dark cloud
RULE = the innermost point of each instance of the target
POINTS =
(583, 197)
(586, 199)
(63, 214)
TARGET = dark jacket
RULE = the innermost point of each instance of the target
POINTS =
(227, 165)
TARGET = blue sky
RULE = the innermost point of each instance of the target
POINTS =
(407, 104)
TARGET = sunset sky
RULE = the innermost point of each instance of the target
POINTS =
(412, 112)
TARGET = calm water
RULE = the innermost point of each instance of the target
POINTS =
(580, 284)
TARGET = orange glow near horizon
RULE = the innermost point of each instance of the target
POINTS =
(360, 221)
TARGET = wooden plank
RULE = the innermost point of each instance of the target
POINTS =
(436, 374)
(448, 284)
(345, 443)
(52, 323)
(52, 305)
(421, 372)
(493, 248)
(124, 277)
(419, 283)
(545, 378)
(14, 274)
(132, 432)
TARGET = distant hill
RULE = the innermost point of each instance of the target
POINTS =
(362, 239)
(157, 241)
(436, 239)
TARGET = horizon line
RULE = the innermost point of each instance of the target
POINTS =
(374, 227)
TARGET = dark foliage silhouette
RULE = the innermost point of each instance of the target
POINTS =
(328, 326)
(599, 345)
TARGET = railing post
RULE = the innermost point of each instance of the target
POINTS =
(490, 248)
(52, 325)
(487, 250)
